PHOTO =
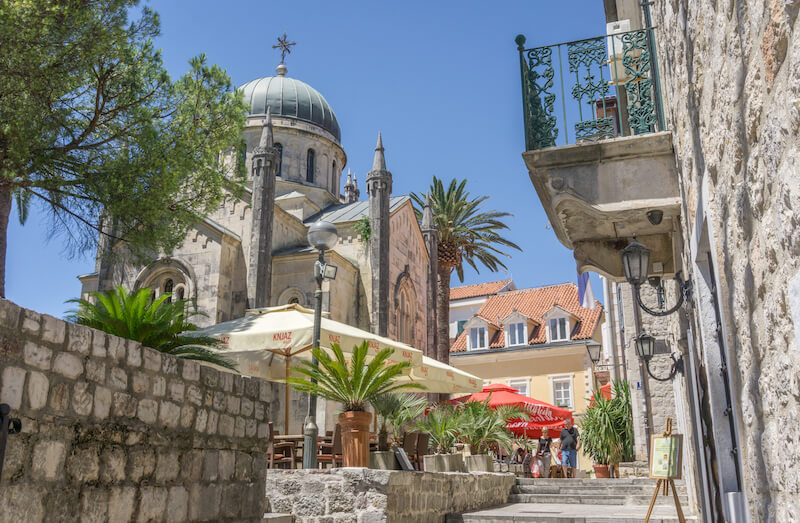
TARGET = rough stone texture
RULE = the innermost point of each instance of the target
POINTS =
(355, 494)
(99, 446)
(732, 99)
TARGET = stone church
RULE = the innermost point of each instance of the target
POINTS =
(253, 251)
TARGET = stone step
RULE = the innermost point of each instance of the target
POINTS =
(593, 482)
(561, 513)
(597, 491)
(270, 517)
(589, 499)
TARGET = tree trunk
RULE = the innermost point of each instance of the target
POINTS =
(443, 315)
(5, 210)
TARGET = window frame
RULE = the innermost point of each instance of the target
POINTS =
(514, 383)
(279, 170)
(520, 331)
(311, 165)
(484, 341)
(567, 331)
(560, 379)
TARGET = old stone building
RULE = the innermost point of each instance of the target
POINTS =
(253, 251)
(692, 147)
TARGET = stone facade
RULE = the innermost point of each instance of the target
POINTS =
(113, 431)
(366, 495)
(731, 87)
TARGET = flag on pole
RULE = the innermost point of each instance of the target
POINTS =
(585, 294)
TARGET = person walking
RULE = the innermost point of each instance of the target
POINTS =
(570, 444)
(543, 454)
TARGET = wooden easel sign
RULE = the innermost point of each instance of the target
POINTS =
(666, 463)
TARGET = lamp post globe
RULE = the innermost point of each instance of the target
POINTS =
(645, 346)
(322, 235)
(636, 262)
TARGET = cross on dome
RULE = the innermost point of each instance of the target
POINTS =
(284, 45)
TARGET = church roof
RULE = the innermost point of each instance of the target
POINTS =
(350, 212)
(289, 97)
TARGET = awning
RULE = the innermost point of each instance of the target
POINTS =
(440, 377)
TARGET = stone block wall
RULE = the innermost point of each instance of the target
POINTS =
(113, 431)
(731, 85)
(370, 496)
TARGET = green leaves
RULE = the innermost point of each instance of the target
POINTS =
(354, 384)
(466, 232)
(158, 324)
(474, 423)
(399, 410)
(91, 122)
(607, 426)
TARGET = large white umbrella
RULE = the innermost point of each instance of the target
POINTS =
(440, 377)
(263, 342)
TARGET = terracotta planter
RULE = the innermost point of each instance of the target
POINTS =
(355, 438)
(601, 471)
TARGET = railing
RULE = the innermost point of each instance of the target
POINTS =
(615, 75)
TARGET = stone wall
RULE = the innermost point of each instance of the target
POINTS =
(731, 81)
(114, 431)
(371, 496)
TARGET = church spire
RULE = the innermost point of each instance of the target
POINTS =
(427, 215)
(266, 142)
(351, 192)
(379, 163)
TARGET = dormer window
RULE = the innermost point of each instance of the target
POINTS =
(477, 338)
(516, 334)
(559, 329)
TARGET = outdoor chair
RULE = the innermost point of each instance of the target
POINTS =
(281, 453)
(331, 452)
(410, 445)
(422, 449)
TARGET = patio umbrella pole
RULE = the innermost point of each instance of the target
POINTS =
(310, 429)
(286, 414)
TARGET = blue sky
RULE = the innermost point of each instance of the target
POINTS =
(440, 80)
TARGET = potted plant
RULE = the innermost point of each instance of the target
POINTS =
(396, 409)
(352, 384)
(442, 423)
(482, 427)
(606, 431)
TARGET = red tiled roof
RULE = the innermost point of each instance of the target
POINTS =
(535, 303)
(480, 289)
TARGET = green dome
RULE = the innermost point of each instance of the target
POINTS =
(292, 99)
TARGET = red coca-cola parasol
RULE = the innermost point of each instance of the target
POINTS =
(542, 415)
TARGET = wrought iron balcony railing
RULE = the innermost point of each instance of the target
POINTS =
(612, 80)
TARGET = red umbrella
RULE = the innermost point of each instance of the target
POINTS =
(542, 415)
(605, 390)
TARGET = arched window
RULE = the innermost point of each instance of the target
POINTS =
(310, 166)
(168, 286)
(279, 147)
(333, 171)
(405, 316)
(294, 299)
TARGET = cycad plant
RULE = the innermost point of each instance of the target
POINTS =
(353, 384)
(482, 427)
(157, 323)
(397, 410)
(442, 424)
(468, 234)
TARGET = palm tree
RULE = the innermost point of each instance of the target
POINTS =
(159, 323)
(354, 384)
(397, 410)
(466, 234)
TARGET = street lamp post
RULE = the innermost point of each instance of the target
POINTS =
(322, 236)
(594, 356)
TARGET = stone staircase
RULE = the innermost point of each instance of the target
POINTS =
(582, 500)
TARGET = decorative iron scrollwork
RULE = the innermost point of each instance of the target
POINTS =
(541, 123)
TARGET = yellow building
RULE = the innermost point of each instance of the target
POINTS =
(535, 340)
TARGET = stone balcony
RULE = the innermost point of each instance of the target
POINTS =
(598, 194)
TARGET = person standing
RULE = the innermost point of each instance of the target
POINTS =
(570, 444)
(543, 454)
